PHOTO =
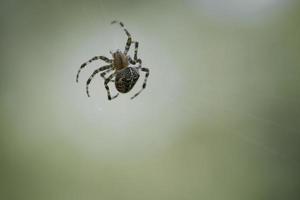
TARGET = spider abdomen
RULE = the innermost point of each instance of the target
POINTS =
(126, 79)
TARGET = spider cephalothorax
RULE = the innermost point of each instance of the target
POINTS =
(125, 76)
(120, 60)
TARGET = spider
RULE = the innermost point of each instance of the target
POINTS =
(125, 76)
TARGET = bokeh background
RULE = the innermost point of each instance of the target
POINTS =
(219, 118)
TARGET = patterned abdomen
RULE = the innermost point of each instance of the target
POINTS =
(126, 79)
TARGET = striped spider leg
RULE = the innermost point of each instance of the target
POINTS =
(105, 59)
(105, 67)
(147, 71)
(107, 88)
(106, 72)
(129, 39)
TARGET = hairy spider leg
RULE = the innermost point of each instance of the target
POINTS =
(129, 40)
(139, 61)
(136, 46)
(105, 59)
(105, 67)
(107, 88)
(145, 81)
(133, 62)
(135, 59)
(105, 72)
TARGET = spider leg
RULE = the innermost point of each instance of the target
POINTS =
(107, 88)
(129, 40)
(105, 59)
(105, 67)
(133, 62)
(135, 58)
(136, 46)
(105, 72)
(145, 81)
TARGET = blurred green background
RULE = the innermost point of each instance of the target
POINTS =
(219, 118)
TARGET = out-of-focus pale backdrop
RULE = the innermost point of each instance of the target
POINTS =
(219, 119)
